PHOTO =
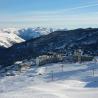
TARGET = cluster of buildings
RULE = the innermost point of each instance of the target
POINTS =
(40, 60)
(50, 58)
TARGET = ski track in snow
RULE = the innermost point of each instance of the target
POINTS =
(74, 81)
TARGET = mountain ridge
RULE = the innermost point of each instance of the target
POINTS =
(59, 41)
(10, 36)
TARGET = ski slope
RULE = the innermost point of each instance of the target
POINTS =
(56, 80)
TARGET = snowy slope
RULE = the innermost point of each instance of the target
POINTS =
(73, 81)
(29, 33)
(8, 36)
(7, 39)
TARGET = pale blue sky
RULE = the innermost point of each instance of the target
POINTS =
(49, 13)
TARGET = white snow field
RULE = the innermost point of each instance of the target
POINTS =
(8, 39)
(57, 80)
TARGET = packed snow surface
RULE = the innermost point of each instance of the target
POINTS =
(56, 80)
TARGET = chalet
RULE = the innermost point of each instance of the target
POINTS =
(21, 65)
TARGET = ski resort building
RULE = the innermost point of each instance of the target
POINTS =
(50, 58)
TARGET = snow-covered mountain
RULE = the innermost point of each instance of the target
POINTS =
(29, 33)
(9, 36)
(7, 39)
(59, 41)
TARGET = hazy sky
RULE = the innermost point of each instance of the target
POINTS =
(49, 13)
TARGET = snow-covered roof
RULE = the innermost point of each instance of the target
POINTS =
(18, 62)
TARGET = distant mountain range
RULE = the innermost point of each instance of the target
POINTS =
(10, 36)
(62, 41)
